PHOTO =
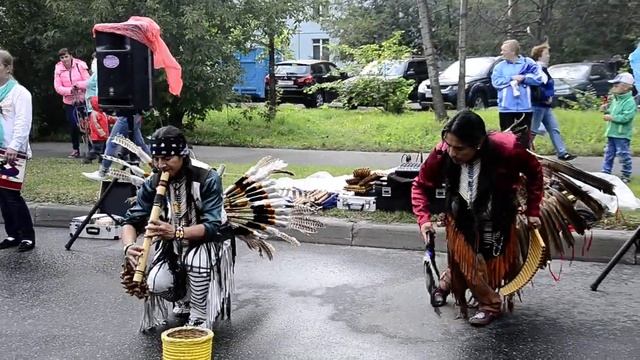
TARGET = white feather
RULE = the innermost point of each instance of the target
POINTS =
(126, 177)
(131, 146)
(136, 170)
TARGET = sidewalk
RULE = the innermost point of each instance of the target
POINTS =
(392, 236)
(375, 160)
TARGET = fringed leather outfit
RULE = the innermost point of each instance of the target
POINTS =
(483, 250)
(196, 272)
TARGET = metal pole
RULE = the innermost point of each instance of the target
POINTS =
(614, 260)
(90, 214)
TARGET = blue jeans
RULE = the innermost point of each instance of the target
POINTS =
(121, 127)
(617, 147)
(544, 116)
(17, 218)
(97, 149)
(72, 119)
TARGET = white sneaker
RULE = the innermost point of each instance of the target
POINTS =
(182, 308)
(96, 175)
(197, 322)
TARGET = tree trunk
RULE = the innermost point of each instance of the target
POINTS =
(424, 12)
(462, 56)
(272, 78)
(544, 8)
(510, 19)
(175, 115)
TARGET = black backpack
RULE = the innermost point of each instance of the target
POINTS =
(537, 94)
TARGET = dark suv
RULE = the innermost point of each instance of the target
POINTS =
(587, 76)
(293, 77)
(478, 92)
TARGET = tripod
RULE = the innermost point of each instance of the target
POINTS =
(634, 240)
(103, 196)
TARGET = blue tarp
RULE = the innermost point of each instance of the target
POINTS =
(634, 63)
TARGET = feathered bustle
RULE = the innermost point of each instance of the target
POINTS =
(257, 209)
(559, 215)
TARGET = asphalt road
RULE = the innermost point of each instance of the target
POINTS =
(311, 302)
(376, 160)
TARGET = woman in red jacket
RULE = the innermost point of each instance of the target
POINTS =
(70, 80)
(482, 174)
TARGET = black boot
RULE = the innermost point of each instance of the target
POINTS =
(9, 242)
(26, 245)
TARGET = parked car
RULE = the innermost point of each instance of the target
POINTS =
(586, 76)
(478, 91)
(414, 69)
(293, 77)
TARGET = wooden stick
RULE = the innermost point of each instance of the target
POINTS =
(148, 239)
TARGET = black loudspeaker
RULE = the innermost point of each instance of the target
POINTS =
(125, 74)
(116, 201)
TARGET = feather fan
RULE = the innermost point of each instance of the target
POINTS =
(559, 215)
(258, 210)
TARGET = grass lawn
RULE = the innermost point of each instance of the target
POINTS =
(59, 181)
(373, 130)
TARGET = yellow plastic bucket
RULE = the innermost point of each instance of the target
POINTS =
(187, 343)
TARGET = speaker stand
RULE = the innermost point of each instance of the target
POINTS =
(90, 214)
(633, 240)
(103, 196)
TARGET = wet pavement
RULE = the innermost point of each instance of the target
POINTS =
(311, 302)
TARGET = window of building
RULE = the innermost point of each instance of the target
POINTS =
(321, 49)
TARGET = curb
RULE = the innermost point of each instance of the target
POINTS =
(363, 233)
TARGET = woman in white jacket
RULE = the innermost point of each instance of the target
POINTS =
(15, 125)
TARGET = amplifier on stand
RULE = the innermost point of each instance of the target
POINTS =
(393, 193)
(408, 169)
(116, 202)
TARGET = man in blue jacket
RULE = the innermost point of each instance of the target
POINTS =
(541, 99)
(513, 78)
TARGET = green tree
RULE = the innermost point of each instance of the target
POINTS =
(34, 48)
(358, 23)
(203, 36)
(272, 22)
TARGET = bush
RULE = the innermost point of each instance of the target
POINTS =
(389, 94)
(585, 100)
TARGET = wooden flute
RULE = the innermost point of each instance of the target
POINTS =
(161, 189)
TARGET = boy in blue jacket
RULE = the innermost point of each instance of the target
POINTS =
(513, 78)
(619, 115)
